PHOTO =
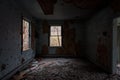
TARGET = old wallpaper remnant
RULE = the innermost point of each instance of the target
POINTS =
(102, 50)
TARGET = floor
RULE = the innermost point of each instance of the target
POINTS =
(65, 69)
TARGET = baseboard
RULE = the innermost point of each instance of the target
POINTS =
(7, 76)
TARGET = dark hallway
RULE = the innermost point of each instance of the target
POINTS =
(59, 39)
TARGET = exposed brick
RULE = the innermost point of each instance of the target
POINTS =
(68, 39)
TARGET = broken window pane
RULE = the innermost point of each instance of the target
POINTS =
(25, 35)
(55, 36)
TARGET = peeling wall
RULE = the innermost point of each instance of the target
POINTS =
(11, 56)
(72, 38)
(99, 39)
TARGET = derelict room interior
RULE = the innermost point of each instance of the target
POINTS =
(59, 40)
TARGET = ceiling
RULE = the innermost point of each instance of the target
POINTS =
(62, 9)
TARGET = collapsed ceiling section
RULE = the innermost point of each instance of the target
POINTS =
(63, 9)
(48, 5)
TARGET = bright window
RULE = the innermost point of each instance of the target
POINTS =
(55, 36)
(25, 35)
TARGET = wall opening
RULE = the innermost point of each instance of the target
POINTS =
(55, 36)
(25, 35)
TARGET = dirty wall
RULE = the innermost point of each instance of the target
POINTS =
(11, 57)
(72, 38)
(99, 39)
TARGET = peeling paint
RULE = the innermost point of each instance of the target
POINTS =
(102, 50)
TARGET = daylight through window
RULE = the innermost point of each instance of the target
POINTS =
(55, 36)
(25, 35)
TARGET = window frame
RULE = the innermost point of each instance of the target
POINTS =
(55, 35)
(29, 33)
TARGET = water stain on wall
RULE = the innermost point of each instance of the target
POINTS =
(102, 50)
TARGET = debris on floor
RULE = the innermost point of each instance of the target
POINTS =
(64, 69)
(21, 75)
